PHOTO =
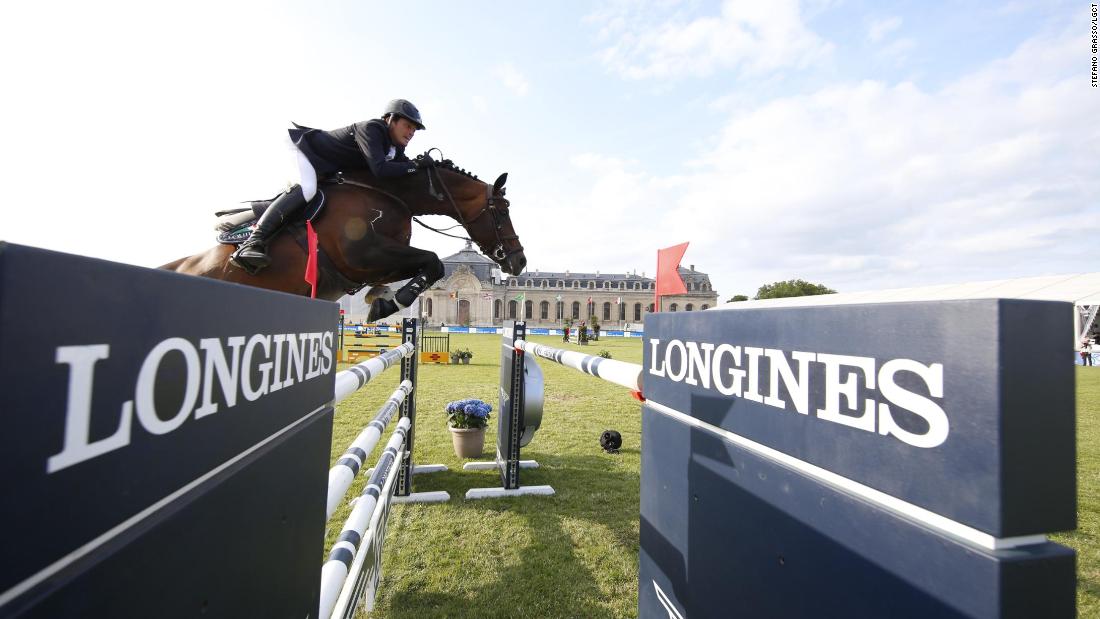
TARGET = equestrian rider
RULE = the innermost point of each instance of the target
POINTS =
(378, 145)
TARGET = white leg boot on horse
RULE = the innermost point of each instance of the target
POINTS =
(252, 254)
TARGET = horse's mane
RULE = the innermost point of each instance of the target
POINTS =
(364, 175)
(447, 164)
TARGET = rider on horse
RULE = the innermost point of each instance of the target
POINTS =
(377, 145)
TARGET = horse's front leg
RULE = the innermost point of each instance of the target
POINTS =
(425, 268)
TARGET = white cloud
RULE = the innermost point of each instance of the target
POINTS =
(862, 185)
(882, 27)
(899, 49)
(748, 36)
(512, 79)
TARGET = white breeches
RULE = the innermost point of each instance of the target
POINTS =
(302, 171)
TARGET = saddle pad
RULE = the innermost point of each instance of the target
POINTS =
(239, 234)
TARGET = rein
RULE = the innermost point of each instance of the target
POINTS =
(498, 252)
(340, 180)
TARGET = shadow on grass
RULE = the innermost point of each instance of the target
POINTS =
(547, 577)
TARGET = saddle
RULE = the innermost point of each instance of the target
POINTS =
(235, 225)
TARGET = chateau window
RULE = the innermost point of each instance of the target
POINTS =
(529, 284)
(591, 285)
(527, 309)
(673, 307)
(637, 312)
(637, 286)
(689, 307)
(428, 307)
(607, 285)
(576, 310)
(607, 311)
(544, 310)
(622, 312)
(512, 309)
(622, 285)
(707, 288)
(576, 284)
(513, 283)
(561, 284)
(705, 306)
(498, 308)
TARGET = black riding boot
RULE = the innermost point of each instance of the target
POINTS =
(252, 254)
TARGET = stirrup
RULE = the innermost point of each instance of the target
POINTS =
(251, 264)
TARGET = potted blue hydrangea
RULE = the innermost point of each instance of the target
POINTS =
(467, 420)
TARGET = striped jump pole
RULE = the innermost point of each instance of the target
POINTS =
(390, 480)
(628, 375)
(341, 475)
(354, 378)
(335, 571)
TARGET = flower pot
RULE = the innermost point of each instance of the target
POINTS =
(468, 442)
(465, 361)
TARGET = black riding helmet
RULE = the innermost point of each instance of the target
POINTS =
(404, 109)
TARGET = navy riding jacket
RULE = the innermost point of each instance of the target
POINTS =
(355, 147)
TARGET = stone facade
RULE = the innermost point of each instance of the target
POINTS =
(473, 291)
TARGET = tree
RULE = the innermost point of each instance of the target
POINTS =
(737, 297)
(791, 288)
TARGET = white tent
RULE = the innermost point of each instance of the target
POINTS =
(1082, 289)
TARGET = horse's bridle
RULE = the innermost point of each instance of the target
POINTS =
(499, 215)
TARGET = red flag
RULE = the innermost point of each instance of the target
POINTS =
(668, 280)
(311, 260)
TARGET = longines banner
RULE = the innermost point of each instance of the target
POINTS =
(890, 460)
(137, 402)
(933, 403)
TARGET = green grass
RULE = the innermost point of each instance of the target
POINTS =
(1086, 539)
(574, 554)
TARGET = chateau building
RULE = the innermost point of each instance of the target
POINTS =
(474, 291)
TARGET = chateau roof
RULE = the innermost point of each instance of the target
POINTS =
(586, 276)
(468, 255)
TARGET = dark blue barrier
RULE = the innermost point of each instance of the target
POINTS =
(892, 460)
(165, 454)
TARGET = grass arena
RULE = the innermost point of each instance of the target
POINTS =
(571, 555)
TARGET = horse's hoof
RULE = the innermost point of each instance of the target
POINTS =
(380, 308)
(378, 292)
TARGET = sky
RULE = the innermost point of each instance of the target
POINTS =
(856, 144)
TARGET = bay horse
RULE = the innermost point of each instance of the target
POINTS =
(363, 234)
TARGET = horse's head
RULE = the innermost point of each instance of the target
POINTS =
(483, 211)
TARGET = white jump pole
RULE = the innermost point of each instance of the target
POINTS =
(628, 375)
(353, 378)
